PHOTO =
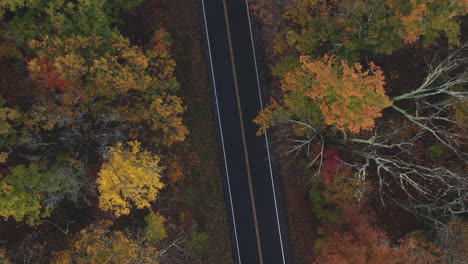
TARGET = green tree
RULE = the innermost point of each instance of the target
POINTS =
(28, 195)
(197, 242)
(376, 26)
(21, 195)
(11, 126)
(155, 230)
(63, 18)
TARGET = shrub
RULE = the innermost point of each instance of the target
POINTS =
(154, 229)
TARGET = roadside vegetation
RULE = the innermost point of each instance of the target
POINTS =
(107, 146)
(370, 98)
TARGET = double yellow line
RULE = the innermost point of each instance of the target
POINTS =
(246, 155)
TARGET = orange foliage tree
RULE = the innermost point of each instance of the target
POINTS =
(358, 241)
(348, 233)
(427, 19)
(347, 96)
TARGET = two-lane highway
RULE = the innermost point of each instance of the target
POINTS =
(251, 187)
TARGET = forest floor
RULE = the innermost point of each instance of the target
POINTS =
(199, 195)
(296, 187)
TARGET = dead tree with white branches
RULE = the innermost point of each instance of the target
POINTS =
(432, 191)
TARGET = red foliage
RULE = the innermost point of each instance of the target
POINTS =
(331, 164)
(359, 241)
(47, 79)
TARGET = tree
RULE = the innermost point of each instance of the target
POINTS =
(130, 177)
(99, 67)
(428, 19)
(3, 258)
(28, 195)
(452, 238)
(197, 243)
(435, 191)
(92, 75)
(14, 5)
(46, 78)
(9, 50)
(348, 232)
(32, 18)
(429, 111)
(21, 195)
(161, 116)
(335, 190)
(64, 182)
(376, 26)
(12, 130)
(97, 245)
(348, 97)
(154, 230)
(361, 242)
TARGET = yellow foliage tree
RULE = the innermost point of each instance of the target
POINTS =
(97, 245)
(130, 177)
(163, 115)
(101, 68)
(94, 74)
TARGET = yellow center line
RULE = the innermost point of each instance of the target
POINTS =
(246, 156)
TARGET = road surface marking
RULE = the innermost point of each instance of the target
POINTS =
(221, 132)
(246, 155)
(266, 136)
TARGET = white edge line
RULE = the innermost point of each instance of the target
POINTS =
(266, 136)
(221, 131)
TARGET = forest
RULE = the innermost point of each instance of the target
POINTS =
(370, 99)
(102, 157)
(108, 147)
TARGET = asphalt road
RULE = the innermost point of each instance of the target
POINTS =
(251, 187)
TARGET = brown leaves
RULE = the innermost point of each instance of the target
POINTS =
(360, 241)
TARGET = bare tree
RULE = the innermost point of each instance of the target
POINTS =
(432, 191)
(434, 117)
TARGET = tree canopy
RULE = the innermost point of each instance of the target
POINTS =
(130, 177)
(347, 96)
(27, 194)
(93, 74)
(96, 244)
(375, 26)
(32, 18)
